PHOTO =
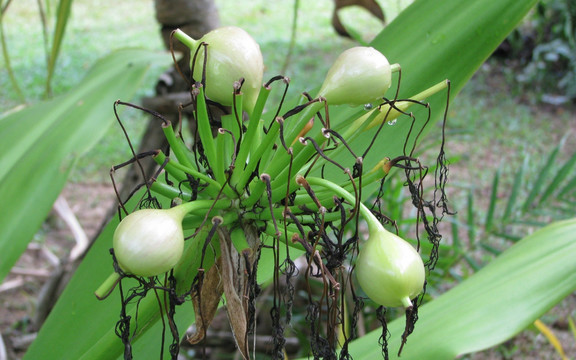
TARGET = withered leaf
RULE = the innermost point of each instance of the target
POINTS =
(234, 282)
(206, 302)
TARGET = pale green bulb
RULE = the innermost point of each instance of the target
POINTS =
(389, 269)
(149, 242)
(232, 54)
(359, 76)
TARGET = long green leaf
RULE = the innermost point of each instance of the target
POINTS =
(539, 182)
(570, 186)
(516, 186)
(494, 304)
(41, 143)
(554, 185)
(493, 200)
(430, 44)
(63, 14)
(470, 218)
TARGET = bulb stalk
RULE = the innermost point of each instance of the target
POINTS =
(185, 39)
(107, 286)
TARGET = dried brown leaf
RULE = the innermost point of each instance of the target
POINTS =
(206, 303)
(232, 271)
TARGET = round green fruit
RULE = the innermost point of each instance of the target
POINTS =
(232, 54)
(389, 269)
(360, 75)
(149, 242)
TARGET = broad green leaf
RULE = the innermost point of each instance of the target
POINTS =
(431, 44)
(41, 143)
(494, 304)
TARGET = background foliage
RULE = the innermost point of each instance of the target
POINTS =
(546, 48)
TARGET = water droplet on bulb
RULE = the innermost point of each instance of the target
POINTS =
(392, 122)
(368, 106)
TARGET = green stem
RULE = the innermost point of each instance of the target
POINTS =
(287, 239)
(291, 132)
(198, 217)
(280, 161)
(62, 17)
(279, 215)
(380, 171)
(205, 134)
(368, 216)
(185, 39)
(265, 146)
(404, 105)
(386, 113)
(358, 125)
(213, 186)
(302, 155)
(227, 141)
(237, 115)
(249, 137)
(107, 286)
(364, 123)
(177, 145)
(179, 173)
(199, 205)
(168, 191)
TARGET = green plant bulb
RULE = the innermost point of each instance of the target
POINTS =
(232, 54)
(389, 269)
(149, 242)
(360, 75)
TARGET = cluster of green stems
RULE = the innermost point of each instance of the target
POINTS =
(238, 151)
